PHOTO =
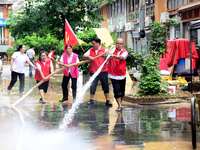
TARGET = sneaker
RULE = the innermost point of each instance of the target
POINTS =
(8, 92)
(62, 100)
(42, 101)
(21, 94)
(91, 102)
(108, 104)
(66, 103)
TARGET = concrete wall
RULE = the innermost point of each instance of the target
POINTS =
(160, 6)
(104, 12)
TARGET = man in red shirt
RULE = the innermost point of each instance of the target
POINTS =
(97, 56)
(117, 71)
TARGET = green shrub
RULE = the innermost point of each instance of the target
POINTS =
(10, 51)
(46, 42)
(157, 38)
(87, 35)
(134, 59)
(150, 80)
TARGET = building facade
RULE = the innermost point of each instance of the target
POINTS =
(187, 13)
(5, 37)
(128, 18)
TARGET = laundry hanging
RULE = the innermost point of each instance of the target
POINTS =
(178, 49)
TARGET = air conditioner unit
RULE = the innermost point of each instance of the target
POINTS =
(164, 17)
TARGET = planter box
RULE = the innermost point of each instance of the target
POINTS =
(152, 100)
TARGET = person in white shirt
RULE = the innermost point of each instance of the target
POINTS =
(31, 55)
(18, 61)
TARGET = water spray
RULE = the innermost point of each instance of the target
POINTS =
(68, 118)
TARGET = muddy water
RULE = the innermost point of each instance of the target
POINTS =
(93, 128)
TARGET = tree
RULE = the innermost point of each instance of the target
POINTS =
(151, 80)
(47, 16)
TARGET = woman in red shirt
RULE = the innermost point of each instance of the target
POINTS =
(44, 69)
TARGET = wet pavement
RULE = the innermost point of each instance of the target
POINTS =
(36, 127)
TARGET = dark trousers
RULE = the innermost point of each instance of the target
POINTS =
(14, 76)
(44, 86)
(118, 87)
(65, 87)
(103, 77)
(31, 68)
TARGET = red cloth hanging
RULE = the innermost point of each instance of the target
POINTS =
(170, 52)
(177, 49)
(163, 64)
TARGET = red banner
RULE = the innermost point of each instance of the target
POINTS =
(70, 37)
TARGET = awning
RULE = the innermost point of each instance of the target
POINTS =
(2, 22)
(189, 6)
(195, 24)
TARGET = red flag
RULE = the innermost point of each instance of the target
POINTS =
(70, 37)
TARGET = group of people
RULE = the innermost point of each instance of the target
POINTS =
(115, 69)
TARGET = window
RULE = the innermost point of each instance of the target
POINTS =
(136, 4)
(149, 2)
(2, 40)
(118, 7)
(113, 9)
(131, 5)
(174, 4)
(110, 10)
(1, 12)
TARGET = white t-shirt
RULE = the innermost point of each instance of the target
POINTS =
(19, 61)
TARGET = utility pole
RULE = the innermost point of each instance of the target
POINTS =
(141, 14)
(142, 22)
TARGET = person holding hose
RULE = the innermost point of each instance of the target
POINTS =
(70, 73)
(117, 71)
(18, 61)
(96, 55)
(44, 69)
